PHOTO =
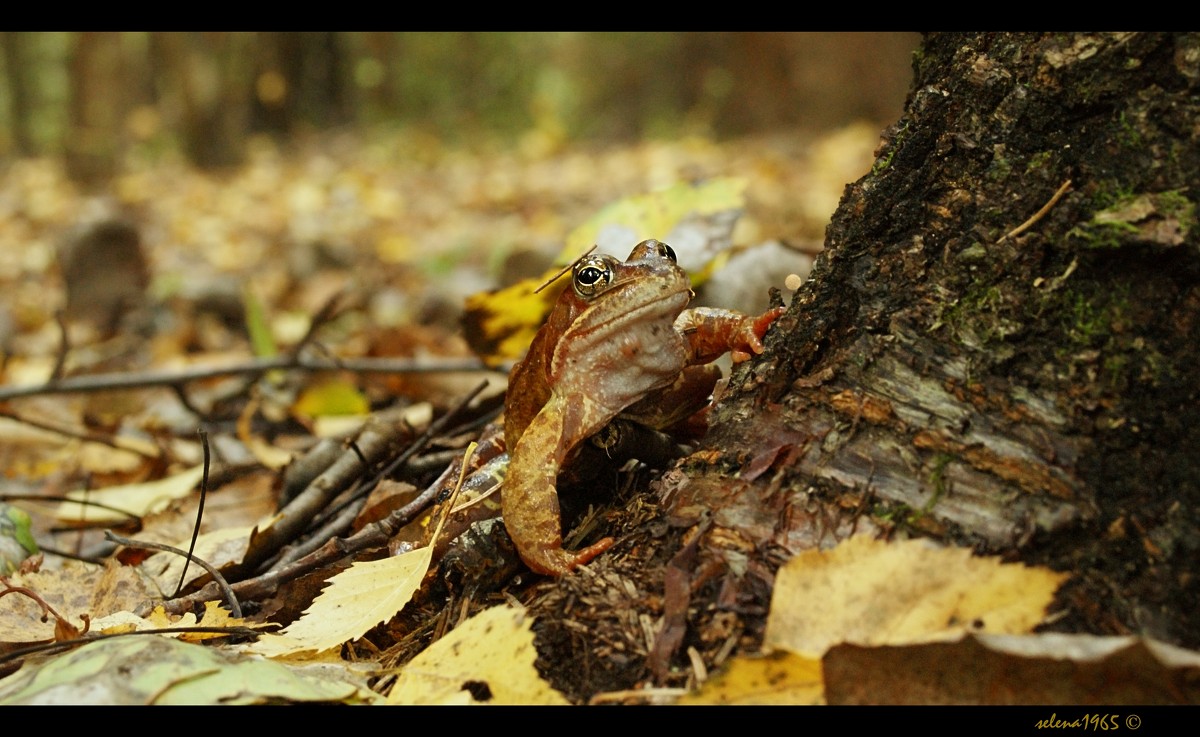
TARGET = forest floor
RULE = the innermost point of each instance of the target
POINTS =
(231, 266)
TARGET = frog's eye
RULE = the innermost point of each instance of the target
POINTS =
(660, 249)
(592, 276)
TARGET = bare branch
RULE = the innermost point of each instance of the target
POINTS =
(109, 382)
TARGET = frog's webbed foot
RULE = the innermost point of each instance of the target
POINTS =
(711, 332)
(558, 562)
(748, 339)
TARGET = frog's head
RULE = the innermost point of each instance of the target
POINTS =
(608, 293)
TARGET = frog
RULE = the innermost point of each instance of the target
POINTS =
(619, 341)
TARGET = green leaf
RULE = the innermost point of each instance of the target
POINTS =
(261, 339)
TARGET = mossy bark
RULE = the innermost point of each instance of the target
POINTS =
(1031, 393)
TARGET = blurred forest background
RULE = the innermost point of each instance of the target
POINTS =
(183, 171)
(99, 98)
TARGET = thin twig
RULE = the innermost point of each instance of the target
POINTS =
(108, 382)
(361, 493)
(373, 535)
(1037, 215)
(222, 585)
(565, 269)
(181, 394)
(85, 435)
(64, 346)
(199, 512)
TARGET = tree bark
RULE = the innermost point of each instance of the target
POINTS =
(1030, 393)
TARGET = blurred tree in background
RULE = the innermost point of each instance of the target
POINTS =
(100, 97)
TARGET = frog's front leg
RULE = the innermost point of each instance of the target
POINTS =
(711, 332)
(529, 499)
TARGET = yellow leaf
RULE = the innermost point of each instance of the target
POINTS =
(356, 600)
(871, 592)
(776, 678)
(331, 397)
(493, 651)
(136, 499)
(500, 325)
(158, 619)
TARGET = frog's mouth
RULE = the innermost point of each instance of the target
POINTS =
(637, 308)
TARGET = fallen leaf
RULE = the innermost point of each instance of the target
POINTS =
(871, 592)
(774, 678)
(621, 224)
(330, 397)
(72, 590)
(217, 548)
(1047, 668)
(215, 615)
(357, 599)
(136, 499)
(150, 670)
(487, 659)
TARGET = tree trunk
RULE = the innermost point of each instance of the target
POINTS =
(1025, 391)
(94, 134)
(204, 89)
(16, 57)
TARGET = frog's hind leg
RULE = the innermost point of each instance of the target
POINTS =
(529, 500)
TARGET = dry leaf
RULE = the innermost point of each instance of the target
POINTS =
(357, 599)
(1013, 669)
(136, 499)
(489, 658)
(70, 590)
(870, 592)
(158, 619)
(776, 678)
